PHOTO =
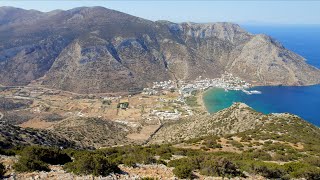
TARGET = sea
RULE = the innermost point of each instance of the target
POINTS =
(302, 101)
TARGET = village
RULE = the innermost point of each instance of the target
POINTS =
(163, 102)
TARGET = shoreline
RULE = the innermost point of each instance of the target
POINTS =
(201, 102)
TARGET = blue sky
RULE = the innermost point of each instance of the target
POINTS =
(245, 12)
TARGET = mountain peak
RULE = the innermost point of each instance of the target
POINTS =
(114, 46)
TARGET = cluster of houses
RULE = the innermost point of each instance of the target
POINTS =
(165, 85)
(227, 82)
(159, 88)
(166, 115)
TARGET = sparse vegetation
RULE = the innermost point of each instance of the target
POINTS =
(36, 158)
(219, 167)
(183, 171)
(86, 163)
(192, 101)
(220, 148)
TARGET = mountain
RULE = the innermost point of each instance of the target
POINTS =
(96, 50)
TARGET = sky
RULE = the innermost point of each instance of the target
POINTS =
(243, 12)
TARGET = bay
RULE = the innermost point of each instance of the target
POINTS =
(302, 101)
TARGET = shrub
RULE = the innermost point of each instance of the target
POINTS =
(219, 167)
(284, 158)
(47, 155)
(89, 163)
(129, 162)
(258, 154)
(7, 152)
(148, 178)
(315, 161)
(309, 172)
(161, 162)
(2, 169)
(212, 144)
(26, 164)
(183, 171)
(235, 144)
(166, 156)
(35, 158)
(268, 170)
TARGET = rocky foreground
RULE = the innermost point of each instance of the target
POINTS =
(95, 50)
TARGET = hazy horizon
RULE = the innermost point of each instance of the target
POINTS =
(241, 12)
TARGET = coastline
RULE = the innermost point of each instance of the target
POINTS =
(200, 100)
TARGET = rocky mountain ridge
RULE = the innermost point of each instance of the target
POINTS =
(88, 49)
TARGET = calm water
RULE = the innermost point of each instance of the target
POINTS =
(303, 101)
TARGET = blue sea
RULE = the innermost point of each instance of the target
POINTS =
(302, 101)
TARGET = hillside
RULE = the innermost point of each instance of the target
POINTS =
(248, 145)
(13, 136)
(86, 50)
(237, 119)
(93, 132)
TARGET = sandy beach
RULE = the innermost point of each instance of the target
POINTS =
(200, 101)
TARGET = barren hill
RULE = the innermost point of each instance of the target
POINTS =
(93, 50)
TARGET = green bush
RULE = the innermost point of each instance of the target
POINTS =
(36, 158)
(7, 152)
(258, 154)
(268, 170)
(315, 161)
(183, 171)
(211, 143)
(219, 167)
(166, 156)
(193, 163)
(2, 169)
(90, 163)
(148, 178)
(236, 144)
(26, 164)
(47, 155)
(309, 173)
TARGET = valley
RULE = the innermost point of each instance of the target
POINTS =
(94, 93)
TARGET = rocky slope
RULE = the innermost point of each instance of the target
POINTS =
(239, 118)
(93, 50)
(93, 132)
(12, 136)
